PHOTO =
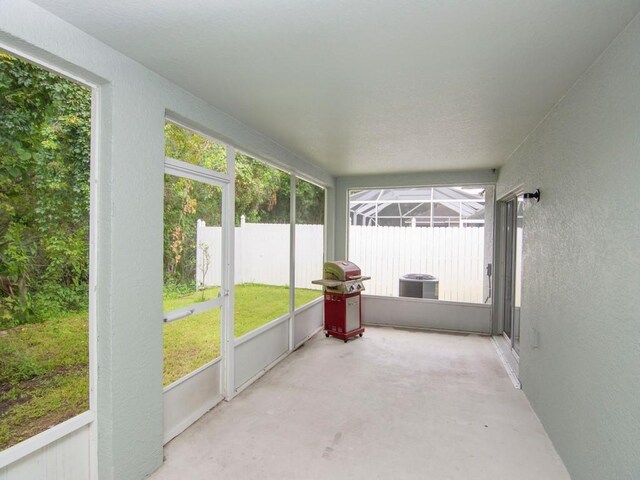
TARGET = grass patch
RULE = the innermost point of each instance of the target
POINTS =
(193, 341)
(259, 304)
(44, 376)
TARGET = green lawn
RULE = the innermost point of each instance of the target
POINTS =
(44, 367)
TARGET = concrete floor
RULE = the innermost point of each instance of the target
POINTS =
(395, 404)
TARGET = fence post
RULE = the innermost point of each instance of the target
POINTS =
(200, 224)
(239, 250)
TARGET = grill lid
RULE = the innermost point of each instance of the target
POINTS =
(341, 276)
(341, 270)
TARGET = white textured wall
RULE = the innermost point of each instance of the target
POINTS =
(581, 278)
(131, 115)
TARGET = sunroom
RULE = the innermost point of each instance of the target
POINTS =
(173, 177)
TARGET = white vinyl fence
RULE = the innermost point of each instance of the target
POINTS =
(262, 254)
(454, 255)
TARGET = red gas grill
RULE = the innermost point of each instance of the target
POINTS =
(342, 284)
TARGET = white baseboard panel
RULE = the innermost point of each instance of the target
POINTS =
(186, 400)
(426, 314)
(308, 321)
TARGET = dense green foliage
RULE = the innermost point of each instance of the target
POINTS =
(262, 191)
(45, 124)
(185, 202)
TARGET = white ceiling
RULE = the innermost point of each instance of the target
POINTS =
(361, 86)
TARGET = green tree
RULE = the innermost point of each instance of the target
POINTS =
(262, 191)
(45, 124)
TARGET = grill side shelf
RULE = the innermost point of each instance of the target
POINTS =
(327, 283)
(337, 283)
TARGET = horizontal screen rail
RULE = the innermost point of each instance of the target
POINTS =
(193, 309)
(177, 315)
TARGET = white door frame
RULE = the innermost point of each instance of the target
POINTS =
(500, 252)
(189, 171)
